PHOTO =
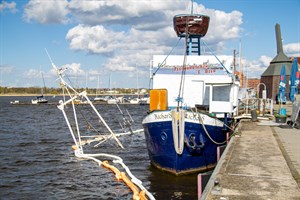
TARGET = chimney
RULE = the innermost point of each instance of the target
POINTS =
(278, 39)
(280, 57)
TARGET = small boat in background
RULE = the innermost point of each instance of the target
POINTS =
(135, 101)
(15, 102)
(144, 101)
(40, 99)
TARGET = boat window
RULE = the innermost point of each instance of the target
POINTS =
(221, 93)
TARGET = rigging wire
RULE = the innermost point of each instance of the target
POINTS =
(216, 57)
(163, 62)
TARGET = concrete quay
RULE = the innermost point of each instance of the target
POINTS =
(260, 162)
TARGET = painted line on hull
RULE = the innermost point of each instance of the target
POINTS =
(165, 116)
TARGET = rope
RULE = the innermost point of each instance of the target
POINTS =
(178, 123)
(205, 130)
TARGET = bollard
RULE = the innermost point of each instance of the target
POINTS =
(253, 116)
(202, 180)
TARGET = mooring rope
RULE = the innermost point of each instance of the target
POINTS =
(209, 136)
(178, 123)
(205, 130)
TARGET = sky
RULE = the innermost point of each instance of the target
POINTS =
(98, 39)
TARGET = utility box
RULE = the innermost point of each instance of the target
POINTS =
(158, 99)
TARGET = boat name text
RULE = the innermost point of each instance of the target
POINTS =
(189, 116)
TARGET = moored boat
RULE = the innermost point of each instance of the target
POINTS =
(192, 103)
(39, 100)
(15, 102)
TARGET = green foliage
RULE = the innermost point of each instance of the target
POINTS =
(58, 91)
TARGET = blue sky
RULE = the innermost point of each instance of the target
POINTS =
(117, 37)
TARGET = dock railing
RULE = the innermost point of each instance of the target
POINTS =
(262, 106)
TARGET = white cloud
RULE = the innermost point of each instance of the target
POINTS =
(33, 74)
(128, 33)
(6, 6)
(6, 69)
(124, 12)
(95, 39)
(223, 27)
(46, 12)
(138, 36)
(292, 49)
(265, 60)
(123, 50)
(73, 75)
(255, 68)
(73, 69)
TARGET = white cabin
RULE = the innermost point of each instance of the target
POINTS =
(206, 82)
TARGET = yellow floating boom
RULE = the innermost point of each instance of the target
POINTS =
(137, 195)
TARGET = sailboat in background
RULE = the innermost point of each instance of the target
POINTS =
(40, 99)
(113, 99)
(99, 99)
(137, 99)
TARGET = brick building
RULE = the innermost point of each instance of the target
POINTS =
(253, 83)
(271, 75)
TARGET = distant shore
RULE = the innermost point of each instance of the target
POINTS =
(51, 95)
(20, 95)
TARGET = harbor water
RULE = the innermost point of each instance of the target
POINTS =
(37, 161)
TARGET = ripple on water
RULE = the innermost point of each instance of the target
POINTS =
(37, 161)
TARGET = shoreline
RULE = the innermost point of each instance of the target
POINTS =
(25, 95)
(51, 95)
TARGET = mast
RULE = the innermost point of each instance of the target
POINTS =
(43, 84)
(137, 81)
(97, 85)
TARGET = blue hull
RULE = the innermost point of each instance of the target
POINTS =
(198, 156)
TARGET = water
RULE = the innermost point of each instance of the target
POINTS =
(37, 161)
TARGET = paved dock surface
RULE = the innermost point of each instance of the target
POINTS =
(289, 142)
(260, 164)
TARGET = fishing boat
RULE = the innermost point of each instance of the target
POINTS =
(193, 102)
